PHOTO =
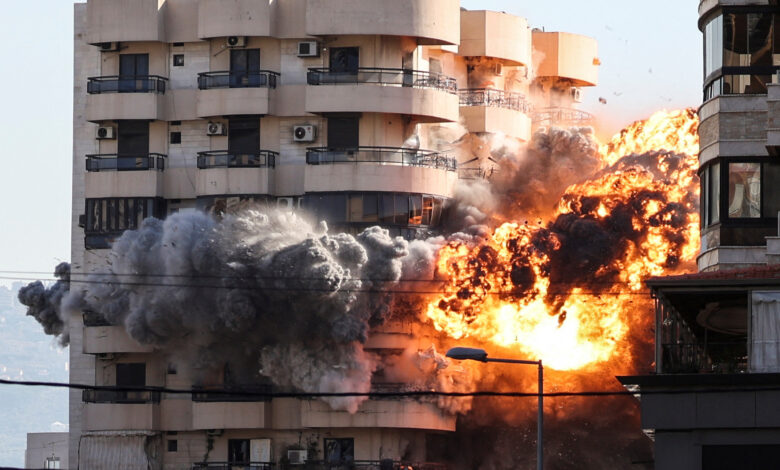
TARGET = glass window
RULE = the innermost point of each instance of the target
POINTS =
(744, 190)
(386, 212)
(427, 210)
(735, 40)
(415, 209)
(771, 191)
(760, 38)
(713, 194)
(437, 208)
(370, 209)
(339, 451)
(713, 46)
(401, 208)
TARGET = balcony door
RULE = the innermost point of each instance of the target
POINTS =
(132, 375)
(344, 59)
(132, 139)
(133, 72)
(244, 68)
(343, 133)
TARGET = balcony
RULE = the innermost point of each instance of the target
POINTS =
(490, 110)
(386, 464)
(120, 20)
(384, 413)
(224, 172)
(258, 393)
(379, 169)
(429, 96)
(566, 55)
(108, 339)
(110, 175)
(233, 466)
(221, 18)
(495, 34)
(235, 93)
(559, 116)
(116, 97)
(108, 410)
(430, 21)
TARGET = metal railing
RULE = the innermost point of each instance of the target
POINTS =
(476, 173)
(228, 79)
(384, 155)
(561, 116)
(228, 159)
(494, 98)
(120, 396)
(254, 393)
(382, 76)
(233, 466)
(710, 358)
(126, 84)
(104, 162)
(386, 464)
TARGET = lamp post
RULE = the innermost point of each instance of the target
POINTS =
(481, 355)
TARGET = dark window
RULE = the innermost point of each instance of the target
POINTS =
(244, 135)
(386, 213)
(339, 450)
(115, 214)
(132, 138)
(176, 137)
(133, 69)
(176, 123)
(344, 59)
(131, 374)
(238, 451)
(178, 60)
(744, 197)
(244, 68)
(771, 184)
(173, 445)
(401, 209)
(744, 457)
(415, 209)
(343, 132)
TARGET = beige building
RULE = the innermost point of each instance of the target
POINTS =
(345, 107)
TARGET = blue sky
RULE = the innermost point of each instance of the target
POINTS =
(650, 54)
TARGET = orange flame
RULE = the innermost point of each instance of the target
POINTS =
(503, 291)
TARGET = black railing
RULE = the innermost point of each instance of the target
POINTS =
(384, 155)
(562, 116)
(476, 173)
(386, 464)
(120, 396)
(254, 393)
(699, 358)
(494, 98)
(228, 159)
(105, 162)
(233, 466)
(382, 76)
(127, 84)
(227, 79)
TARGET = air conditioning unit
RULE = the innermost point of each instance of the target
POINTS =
(108, 46)
(576, 95)
(308, 49)
(236, 41)
(304, 133)
(105, 133)
(215, 128)
(296, 457)
(285, 203)
(498, 69)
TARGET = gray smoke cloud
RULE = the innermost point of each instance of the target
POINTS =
(45, 303)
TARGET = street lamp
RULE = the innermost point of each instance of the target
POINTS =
(481, 355)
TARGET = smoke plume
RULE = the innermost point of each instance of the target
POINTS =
(45, 304)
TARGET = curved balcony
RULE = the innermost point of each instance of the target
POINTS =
(430, 21)
(226, 93)
(495, 34)
(559, 116)
(116, 97)
(567, 55)
(225, 172)
(379, 169)
(221, 18)
(431, 97)
(490, 110)
(109, 175)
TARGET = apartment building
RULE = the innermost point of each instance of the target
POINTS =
(353, 110)
(718, 331)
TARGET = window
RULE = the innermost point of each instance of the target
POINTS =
(175, 137)
(131, 374)
(51, 463)
(238, 451)
(711, 194)
(220, 205)
(339, 451)
(744, 199)
(111, 215)
(244, 135)
(245, 68)
(344, 59)
(132, 139)
(744, 190)
(173, 445)
(133, 73)
(343, 133)
(178, 60)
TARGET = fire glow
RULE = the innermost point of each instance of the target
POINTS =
(527, 289)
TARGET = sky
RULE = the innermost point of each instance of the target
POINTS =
(650, 54)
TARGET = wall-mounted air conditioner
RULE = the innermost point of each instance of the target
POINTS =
(236, 41)
(105, 133)
(215, 128)
(308, 49)
(576, 95)
(296, 457)
(304, 133)
(108, 46)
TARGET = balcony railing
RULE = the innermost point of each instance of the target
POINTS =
(227, 79)
(120, 396)
(712, 358)
(233, 466)
(127, 84)
(228, 159)
(255, 393)
(561, 116)
(494, 98)
(386, 464)
(476, 173)
(383, 155)
(106, 162)
(382, 76)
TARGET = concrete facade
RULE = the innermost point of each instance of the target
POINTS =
(166, 69)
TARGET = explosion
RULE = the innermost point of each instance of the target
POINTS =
(566, 291)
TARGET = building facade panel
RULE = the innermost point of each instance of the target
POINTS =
(119, 20)
(567, 55)
(376, 177)
(496, 35)
(223, 18)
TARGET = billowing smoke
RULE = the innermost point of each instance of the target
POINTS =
(45, 303)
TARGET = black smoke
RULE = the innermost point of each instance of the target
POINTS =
(45, 303)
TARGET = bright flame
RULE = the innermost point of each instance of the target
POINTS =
(501, 291)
